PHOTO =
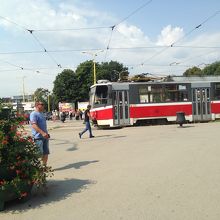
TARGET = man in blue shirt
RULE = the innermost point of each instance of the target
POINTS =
(39, 130)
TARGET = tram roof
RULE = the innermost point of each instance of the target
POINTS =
(196, 79)
(170, 80)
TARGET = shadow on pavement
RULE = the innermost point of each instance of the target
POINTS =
(59, 141)
(76, 165)
(105, 137)
(72, 149)
(57, 190)
(186, 126)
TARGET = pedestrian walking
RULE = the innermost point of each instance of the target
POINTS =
(87, 123)
(39, 130)
(63, 116)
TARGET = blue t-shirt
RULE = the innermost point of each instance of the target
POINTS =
(38, 119)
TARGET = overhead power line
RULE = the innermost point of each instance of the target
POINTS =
(71, 29)
(197, 27)
(188, 33)
(45, 50)
(198, 56)
(110, 48)
(12, 22)
(12, 64)
(124, 19)
(36, 39)
(107, 48)
(134, 12)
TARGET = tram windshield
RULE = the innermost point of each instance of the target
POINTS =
(99, 95)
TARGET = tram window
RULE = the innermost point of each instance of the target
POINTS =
(217, 91)
(157, 93)
(149, 94)
(182, 87)
(143, 94)
(175, 93)
(92, 96)
(101, 95)
(114, 98)
(171, 93)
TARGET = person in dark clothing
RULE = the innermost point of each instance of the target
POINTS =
(71, 115)
(63, 117)
(87, 122)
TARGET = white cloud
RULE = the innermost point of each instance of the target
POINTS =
(42, 14)
(169, 35)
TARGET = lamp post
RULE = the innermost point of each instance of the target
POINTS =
(94, 62)
(23, 88)
(48, 102)
(119, 74)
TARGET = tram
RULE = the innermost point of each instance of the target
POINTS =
(128, 103)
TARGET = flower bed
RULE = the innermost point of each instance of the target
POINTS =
(20, 161)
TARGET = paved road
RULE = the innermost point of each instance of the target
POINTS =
(152, 172)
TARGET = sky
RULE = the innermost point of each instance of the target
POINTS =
(160, 37)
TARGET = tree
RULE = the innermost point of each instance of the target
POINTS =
(84, 74)
(212, 69)
(112, 71)
(70, 86)
(66, 87)
(194, 71)
(41, 94)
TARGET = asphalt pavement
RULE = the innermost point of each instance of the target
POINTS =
(148, 172)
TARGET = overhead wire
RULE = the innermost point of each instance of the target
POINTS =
(109, 41)
(36, 39)
(122, 20)
(188, 33)
(134, 12)
(12, 64)
(111, 48)
(12, 22)
(43, 47)
(197, 27)
(71, 29)
(108, 46)
(201, 55)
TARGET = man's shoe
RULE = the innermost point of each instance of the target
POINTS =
(80, 135)
(92, 136)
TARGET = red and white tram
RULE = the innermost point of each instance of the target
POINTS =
(128, 103)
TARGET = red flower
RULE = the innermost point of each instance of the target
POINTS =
(2, 182)
(18, 171)
(18, 133)
(13, 128)
(4, 142)
(23, 194)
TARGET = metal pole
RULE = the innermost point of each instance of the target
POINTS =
(94, 72)
(23, 88)
(48, 102)
(94, 63)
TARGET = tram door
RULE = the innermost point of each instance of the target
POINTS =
(201, 104)
(121, 107)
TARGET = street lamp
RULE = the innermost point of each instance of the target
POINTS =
(23, 88)
(94, 63)
(119, 74)
(48, 101)
(174, 64)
